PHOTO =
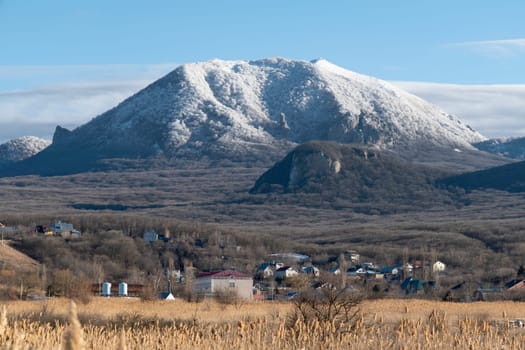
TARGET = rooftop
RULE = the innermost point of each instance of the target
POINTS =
(224, 274)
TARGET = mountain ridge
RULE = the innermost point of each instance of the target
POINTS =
(512, 148)
(508, 177)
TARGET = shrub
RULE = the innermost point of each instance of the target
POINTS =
(228, 297)
(326, 304)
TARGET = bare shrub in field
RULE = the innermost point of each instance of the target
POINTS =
(326, 304)
(228, 297)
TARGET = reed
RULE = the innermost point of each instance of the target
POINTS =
(384, 324)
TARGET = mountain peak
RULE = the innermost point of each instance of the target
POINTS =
(315, 60)
(21, 148)
(60, 134)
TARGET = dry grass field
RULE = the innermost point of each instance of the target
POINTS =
(134, 324)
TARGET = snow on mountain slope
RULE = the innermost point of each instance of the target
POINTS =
(411, 117)
(267, 106)
(21, 148)
(511, 148)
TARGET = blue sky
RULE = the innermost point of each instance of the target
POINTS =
(67, 49)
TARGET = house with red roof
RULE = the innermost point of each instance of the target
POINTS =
(211, 283)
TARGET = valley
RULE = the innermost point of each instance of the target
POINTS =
(477, 235)
(231, 161)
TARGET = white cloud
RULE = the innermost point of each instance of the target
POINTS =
(494, 48)
(38, 111)
(70, 95)
(493, 110)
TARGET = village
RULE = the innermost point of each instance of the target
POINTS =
(282, 276)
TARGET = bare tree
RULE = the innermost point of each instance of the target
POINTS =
(342, 269)
(189, 278)
(326, 304)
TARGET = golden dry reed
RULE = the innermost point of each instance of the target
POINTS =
(73, 334)
(382, 325)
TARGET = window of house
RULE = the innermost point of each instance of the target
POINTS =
(232, 284)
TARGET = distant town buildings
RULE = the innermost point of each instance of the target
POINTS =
(58, 228)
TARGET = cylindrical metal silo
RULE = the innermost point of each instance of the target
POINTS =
(106, 289)
(123, 289)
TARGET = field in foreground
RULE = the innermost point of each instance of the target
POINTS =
(134, 324)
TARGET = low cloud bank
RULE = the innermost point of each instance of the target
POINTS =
(493, 110)
(37, 112)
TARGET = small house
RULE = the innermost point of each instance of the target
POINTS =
(418, 264)
(166, 296)
(353, 256)
(211, 283)
(150, 236)
(412, 286)
(438, 266)
(408, 268)
(64, 229)
(335, 271)
(258, 293)
(59, 227)
(285, 272)
(266, 270)
(515, 285)
(362, 271)
(7, 229)
(176, 275)
(490, 293)
(370, 266)
(391, 270)
(310, 270)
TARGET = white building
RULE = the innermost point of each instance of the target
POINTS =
(285, 272)
(408, 268)
(310, 270)
(267, 269)
(150, 236)
(60, 228)
(438, 266)
(166, 296)
(353, 255)
(210, 283)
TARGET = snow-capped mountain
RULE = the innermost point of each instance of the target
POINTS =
(511, 148)
(21, 148)
(237, 105)
(251, 109)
